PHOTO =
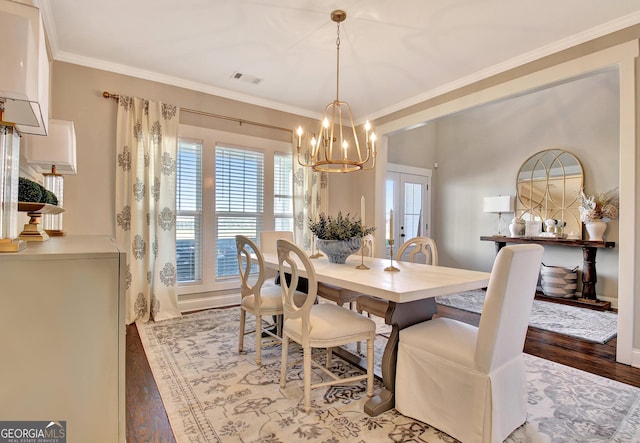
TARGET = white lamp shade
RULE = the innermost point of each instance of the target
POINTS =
(24, 77)
(501, 203)
(57, 149)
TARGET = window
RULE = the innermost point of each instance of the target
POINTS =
(189, 211)
(283, 191)
(239, 202)
(227, 184)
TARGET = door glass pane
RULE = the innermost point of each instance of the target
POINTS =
(412, 209)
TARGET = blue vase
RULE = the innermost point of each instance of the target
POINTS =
(337, 251)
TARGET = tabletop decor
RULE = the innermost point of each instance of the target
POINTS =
(339, 237)
(596, 210)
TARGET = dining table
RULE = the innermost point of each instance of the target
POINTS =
(410, 290)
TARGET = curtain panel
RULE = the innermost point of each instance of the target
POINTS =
(146, 156)
(310, 198)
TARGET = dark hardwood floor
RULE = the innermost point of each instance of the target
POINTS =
(147, 420)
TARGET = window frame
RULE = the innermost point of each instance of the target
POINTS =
(210, 138)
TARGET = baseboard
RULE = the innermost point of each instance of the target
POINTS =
(635, 358)
(201, 303)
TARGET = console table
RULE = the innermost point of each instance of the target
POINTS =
(589, 249)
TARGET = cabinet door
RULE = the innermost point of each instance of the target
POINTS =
(61, 334)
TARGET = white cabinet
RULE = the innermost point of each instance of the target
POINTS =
(62, 336)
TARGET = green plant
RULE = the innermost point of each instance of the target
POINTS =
(32, 192)
(339, 227)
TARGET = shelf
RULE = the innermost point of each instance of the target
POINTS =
(549, 241)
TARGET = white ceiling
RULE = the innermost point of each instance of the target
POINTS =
(392, 54)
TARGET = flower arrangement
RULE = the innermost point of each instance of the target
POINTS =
(597, 207)
(339, 227)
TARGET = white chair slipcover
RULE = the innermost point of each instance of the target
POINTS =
(470, 382)
(314, 325)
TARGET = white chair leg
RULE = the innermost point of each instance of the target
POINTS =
(258, 340)
(283, 364)
(370, 365)
(307, 379)
(243, 315)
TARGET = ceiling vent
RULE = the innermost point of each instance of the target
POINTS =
(246, 78)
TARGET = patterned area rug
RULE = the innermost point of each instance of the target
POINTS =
(586, 324)
(212, 393)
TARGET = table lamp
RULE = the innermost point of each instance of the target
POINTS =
(498, 205)
(24, 94)
(54, 156)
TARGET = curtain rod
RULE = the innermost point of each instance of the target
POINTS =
(240, 121)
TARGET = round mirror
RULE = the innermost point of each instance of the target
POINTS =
(547, 187)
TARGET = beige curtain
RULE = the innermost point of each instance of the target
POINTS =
(310, 198)
(147, 137)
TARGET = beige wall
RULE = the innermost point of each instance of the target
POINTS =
(77, 96)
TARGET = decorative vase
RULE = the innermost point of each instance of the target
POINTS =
(517, 228)
(596, 229)
(337, 251)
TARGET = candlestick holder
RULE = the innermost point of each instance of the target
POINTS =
(362, 266)
(314, 252)
(391, 268)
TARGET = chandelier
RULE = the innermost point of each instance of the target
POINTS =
(337, 148)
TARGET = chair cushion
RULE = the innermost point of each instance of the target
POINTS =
(331, 325)
(446, 338)
(271, 297)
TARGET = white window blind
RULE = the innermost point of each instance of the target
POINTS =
(239, 202)
(189, 211)
(283, 191)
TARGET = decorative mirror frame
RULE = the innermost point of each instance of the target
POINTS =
(547, 187)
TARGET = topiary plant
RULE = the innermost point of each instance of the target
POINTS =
(32, 192)
(29, 191)
(338, 228)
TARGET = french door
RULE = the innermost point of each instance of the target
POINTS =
(408, 194)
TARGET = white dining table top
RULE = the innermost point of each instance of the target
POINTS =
(413, 282)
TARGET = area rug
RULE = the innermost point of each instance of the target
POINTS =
(213, 393)
(585, 324)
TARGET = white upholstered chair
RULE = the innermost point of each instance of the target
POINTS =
(413, 250)
(259, 298)
(318, 325)
(470, 381)
(342, 296)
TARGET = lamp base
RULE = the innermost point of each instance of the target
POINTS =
(12, 245)
(55, 232)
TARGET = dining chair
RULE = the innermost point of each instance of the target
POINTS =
(470, 381)
(342, 296)
(259, 298)
(318, 325)
(415, 249)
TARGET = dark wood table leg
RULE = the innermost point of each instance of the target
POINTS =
(399, 316)
(589, 277)
(500, 245)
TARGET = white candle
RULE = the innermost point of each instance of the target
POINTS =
(362, 210)
(391, 225)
